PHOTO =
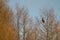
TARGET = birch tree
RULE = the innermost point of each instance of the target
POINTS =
(22, 20)
(48, 23)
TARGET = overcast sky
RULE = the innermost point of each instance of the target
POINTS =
(34, 6)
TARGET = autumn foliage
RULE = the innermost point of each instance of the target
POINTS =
(7, 30)
(23, 27)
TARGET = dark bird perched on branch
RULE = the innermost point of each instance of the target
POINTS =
(43, 20)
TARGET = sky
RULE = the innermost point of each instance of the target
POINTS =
(34, 6)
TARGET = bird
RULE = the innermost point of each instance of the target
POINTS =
(43, 20)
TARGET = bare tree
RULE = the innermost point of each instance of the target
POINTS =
(48, 22)
(22, 20)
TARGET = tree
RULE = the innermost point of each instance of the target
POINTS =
(50, 24)
(7, 29)
(22, 20)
